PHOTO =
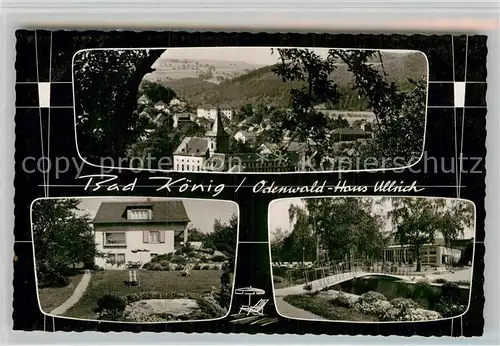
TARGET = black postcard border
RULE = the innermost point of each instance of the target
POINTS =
(44, 56)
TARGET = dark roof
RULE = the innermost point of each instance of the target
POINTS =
(207, 106)
(162, 212)
(192, 146)
(350, 131)
(292, 147)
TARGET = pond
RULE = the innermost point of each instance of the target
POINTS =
(426, 295)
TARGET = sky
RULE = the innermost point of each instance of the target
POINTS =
(249, 55)
(202, 213)
(278, 215)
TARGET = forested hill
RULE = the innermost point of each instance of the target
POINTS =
(262, 86)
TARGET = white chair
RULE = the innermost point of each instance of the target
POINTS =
(257, 309)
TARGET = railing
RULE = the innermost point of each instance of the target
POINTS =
(321, 271)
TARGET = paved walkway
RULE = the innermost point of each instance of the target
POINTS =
(75, 297)
(289, 310)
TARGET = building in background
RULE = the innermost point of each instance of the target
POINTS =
(436, 254)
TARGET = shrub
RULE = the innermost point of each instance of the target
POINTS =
(153, 266)
(426, 291)
(450, 291)
(404, 303)
(110, 307)
(163, 257)
(342, 300)
(225, 290)
(52, 278)
(372, 307)
(463, 282)
(450, 309)
(307, 287)
(163, 262)
(179, 260)
(218, 258)
(97, 268)
(277, 279)
(440, 281)
(209, 251)
(196, 267)
(372, 296)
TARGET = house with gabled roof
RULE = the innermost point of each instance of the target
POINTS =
(194, 152)
(210, 111)
(134, 232)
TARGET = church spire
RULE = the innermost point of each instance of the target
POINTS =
(219, 139)
(218, 127)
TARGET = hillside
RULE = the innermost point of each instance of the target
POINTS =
(210, 70)
(263, 86)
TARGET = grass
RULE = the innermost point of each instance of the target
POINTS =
(112, 282)
(322, 307)
(52, 297)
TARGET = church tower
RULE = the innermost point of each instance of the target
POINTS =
(218, 139)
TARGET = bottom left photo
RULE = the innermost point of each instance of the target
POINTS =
(134, 259)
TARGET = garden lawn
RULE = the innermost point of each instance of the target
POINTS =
(52, 297)
(322, 307)
(113, 282)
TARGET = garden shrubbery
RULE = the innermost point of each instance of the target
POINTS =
(200, 258)
(376, 304)
(110, 307)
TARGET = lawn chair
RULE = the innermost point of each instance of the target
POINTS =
(133, 278)
(257, 309)
(187, 270)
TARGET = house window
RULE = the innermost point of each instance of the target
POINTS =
(139, 214)
(115, 239)
(120, 258)
(116, 258)
(154, 237)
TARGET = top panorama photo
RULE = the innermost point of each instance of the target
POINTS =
(250, 110)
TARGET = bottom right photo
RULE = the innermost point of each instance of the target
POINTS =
(371, 258)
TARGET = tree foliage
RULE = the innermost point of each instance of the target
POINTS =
(62, 239)
(194, 234)
(106, 87)
(400, 114)
(342, 226)
(224, 236)
(156, 92)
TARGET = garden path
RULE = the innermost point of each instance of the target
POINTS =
(289, 310)
(75, 297)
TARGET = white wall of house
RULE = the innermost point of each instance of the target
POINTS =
(135, 237)
(228, 112)
(188, 163)
(210, 113)
(239, 136)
